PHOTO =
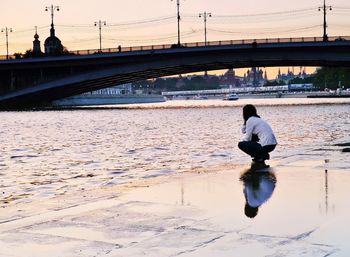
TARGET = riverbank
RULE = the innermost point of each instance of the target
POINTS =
(217, 103)
(197, 213)
(105, 99)
(168, 182)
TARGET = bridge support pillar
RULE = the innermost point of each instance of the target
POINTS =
(41, 75)
(12, 81)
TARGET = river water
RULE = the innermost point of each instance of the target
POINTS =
(45, 153)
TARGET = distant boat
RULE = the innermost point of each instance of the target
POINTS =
(200, 97)
(231, 97)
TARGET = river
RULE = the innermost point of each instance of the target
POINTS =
(46, 153)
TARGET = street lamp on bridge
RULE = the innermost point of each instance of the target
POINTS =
(178, 21)
(52, 9)
(6, 30)
(205, 15)
(100, 24)
(325, 8)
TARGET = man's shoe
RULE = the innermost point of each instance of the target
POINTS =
(258, 160)
(259, 165)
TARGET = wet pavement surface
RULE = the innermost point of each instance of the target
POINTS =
(302, 206)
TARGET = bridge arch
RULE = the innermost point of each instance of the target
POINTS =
(109, 69)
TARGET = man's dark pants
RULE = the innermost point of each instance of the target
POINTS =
(255, 150)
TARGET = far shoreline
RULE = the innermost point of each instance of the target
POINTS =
(207, 104)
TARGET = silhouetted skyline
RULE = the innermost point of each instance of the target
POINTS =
(137, 22)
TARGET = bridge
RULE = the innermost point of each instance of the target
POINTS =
(38, 81)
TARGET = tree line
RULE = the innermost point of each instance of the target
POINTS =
(332, 78)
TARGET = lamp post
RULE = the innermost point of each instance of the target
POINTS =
(6, 30)
(100, 24)
(325, 8)
(178, 21)
(52, 9)
(205, 15)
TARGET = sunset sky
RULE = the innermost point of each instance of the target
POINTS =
(147, 22)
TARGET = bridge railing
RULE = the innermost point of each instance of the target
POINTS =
(197, 44)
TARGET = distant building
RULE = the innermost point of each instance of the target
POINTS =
(255, 77)
(265, 76)
(180, 83)
(302, 87)
(125, 89)
(302, 73)
(229, 79)
(53, 45)
(291, 75)
(36, 45)
(285, 77)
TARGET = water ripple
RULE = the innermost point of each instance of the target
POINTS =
(53, 152)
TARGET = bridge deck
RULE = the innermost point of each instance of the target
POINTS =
(241, 42)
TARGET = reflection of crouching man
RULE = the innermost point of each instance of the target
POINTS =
(259, 139)
(258, 188)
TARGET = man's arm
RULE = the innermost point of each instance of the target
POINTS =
(243, 128)
(248, 131)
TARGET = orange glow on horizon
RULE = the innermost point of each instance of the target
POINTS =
(135, 22)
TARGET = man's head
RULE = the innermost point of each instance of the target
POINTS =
(249, 110)
(250, 211)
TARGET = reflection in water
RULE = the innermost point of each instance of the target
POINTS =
(324, 206)
(258, 188)
(326, 192)
(182, 193)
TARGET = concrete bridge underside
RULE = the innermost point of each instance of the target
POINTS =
(119, 68)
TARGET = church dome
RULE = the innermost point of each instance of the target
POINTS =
(52, 40)
(53, 45)
(36, 46)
